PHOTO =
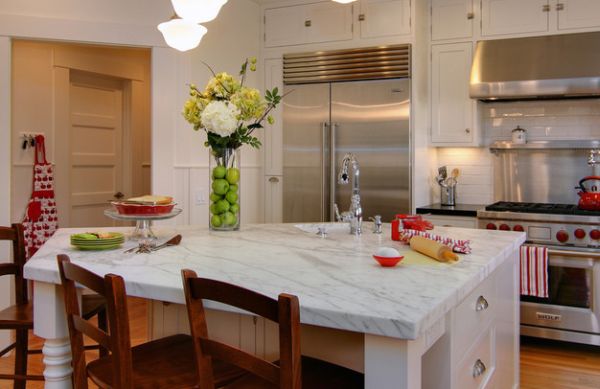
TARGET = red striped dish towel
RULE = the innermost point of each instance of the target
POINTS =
(534, 271)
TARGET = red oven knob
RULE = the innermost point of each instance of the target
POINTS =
(579, 233)
(562, 236)
(491, 226)
(504, 227)
(518, 228)
(595, 234)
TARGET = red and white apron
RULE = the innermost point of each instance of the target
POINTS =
(41, 217)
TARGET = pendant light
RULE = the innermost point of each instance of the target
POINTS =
(344, 1)
(181, 34)
(198, 11)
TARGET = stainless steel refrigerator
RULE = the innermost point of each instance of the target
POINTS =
(324, 121)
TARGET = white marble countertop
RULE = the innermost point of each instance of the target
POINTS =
(338, 283)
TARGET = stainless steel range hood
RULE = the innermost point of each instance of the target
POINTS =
(556, 66)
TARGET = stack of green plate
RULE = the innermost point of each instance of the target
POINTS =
(97, 241)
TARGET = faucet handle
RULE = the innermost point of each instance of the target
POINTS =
(336, 209)
(376, 224)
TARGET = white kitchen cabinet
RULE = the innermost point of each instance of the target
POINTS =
(576, 14)
(452, 110)
(379, 18)
(500, 17)
(451, 19)
(310, 23)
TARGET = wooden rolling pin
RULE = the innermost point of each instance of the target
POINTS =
(432, 249)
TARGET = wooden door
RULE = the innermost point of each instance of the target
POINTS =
(380, 18)
(451, 19)
(96, 152)
(500, 17)
(576, 14)
(451, 108)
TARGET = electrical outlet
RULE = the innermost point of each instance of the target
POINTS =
(201, 196)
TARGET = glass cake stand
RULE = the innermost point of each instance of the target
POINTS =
(143, 228)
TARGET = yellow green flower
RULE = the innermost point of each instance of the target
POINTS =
(250, 103)
(222, 86)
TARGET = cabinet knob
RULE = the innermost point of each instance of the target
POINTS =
(560, 6)
(307, 23)
(361, 17)
(546, 8)
(274, 179)
(479, 368)
(118, 195)
(470, 15)
(481, 304)
(468, 130)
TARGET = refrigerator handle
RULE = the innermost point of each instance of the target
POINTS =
(324, 171)
(332, 173)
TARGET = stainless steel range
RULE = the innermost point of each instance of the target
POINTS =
(572, 236)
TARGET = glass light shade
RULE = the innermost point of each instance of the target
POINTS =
(182, 35)
(198, 11)
(344, 1)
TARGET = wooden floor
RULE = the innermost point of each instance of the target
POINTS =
(544, 364)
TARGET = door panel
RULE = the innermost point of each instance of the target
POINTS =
(305, 110)
(372, 121)
(500, 17)
(451, 19)
(578, 14)
(96, 136)
(384, 18)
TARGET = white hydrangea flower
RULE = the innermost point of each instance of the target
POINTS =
(220, 117)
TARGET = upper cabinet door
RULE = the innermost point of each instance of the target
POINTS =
(284, 26)
(379, 18)
(451, 19)
(500, 17)
(328, 22)
(452, 111)
(574, 14)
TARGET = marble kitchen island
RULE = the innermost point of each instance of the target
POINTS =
(419, 324)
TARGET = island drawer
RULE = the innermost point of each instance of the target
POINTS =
(476, 369)
(474, 314)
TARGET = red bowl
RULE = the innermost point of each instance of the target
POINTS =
(388, 261)
(142, 209)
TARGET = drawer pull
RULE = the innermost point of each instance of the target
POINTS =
(481, 304)
(479, 368)
(274, 179)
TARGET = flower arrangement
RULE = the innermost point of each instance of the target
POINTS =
(228, 111)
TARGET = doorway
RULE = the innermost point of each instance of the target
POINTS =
(92, 104)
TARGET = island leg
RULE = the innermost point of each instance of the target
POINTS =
(49, 322)
(392, 363)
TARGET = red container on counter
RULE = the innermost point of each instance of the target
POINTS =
(409, 222)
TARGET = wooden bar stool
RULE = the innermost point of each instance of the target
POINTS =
(292, 371)
(163, 363)
(19, 317)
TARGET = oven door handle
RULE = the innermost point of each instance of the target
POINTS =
(574, 254)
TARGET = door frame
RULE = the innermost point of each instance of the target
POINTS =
(65, 63)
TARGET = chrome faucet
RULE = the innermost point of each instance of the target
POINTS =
(353, 216)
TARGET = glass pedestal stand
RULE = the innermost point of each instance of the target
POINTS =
(143, 228)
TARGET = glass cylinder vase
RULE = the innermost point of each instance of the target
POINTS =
(224, 171)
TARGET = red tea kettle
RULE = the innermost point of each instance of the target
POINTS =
(589, 194)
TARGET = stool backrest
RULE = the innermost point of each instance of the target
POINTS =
(285, 311)
(118, 342)
(15, 267)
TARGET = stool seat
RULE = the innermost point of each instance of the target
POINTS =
(163, 363)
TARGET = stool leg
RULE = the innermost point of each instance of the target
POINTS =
(103, 326)
(22, 338)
